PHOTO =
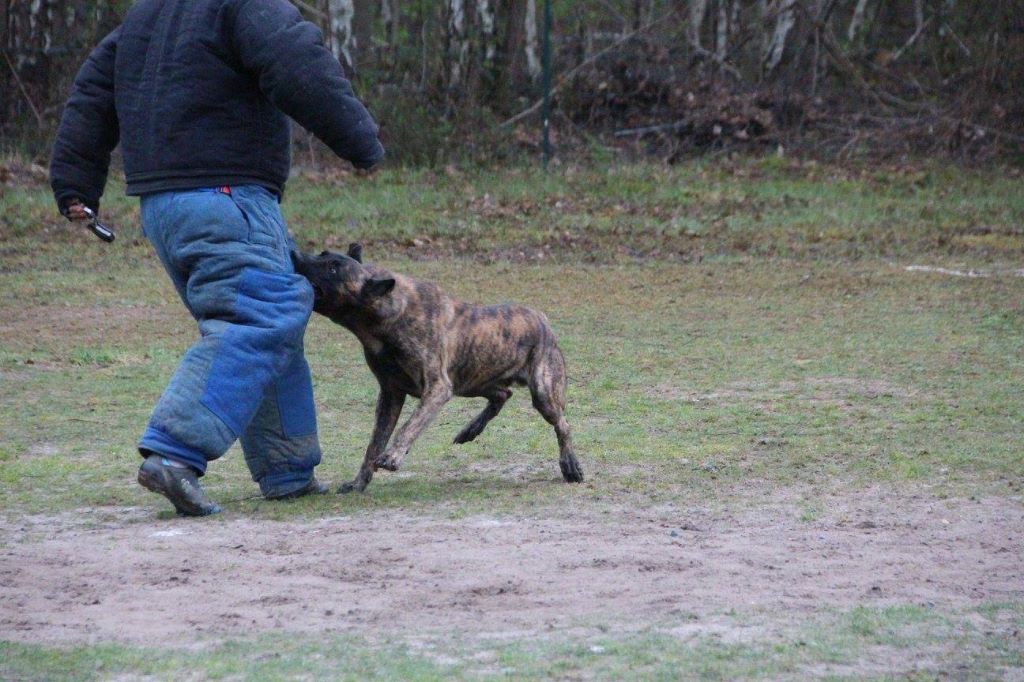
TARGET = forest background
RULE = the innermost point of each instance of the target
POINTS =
(455, 81)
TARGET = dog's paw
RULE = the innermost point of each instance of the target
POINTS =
(387, 463)
(356, 486)
(466, 435)
(571, 471)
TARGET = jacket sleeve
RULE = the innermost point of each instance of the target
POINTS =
(301, 77)
(88, 131)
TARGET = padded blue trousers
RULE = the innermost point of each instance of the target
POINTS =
(246, 377)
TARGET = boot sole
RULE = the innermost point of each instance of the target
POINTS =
(155, 483)
(319, 489)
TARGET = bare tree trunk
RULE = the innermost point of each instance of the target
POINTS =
(919, 26)
(340, 14)
(784, 22)
(424, 54)
(857, 21)
(6, 86)
(488, 35)
(698, 8)
(763, 11)
(722, 31)
(458, 43)
(531, 47)
(388, 17)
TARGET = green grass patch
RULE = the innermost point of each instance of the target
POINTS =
(604, 214)
(687, 378)
(898, 642)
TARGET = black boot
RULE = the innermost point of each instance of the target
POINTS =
(314, 487)
(178, 484)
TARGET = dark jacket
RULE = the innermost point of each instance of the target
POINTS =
(197, 92)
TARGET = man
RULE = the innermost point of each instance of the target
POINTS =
(197, 93)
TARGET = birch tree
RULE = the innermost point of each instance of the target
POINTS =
(698, 8)
(722, 32)
(340, 14)
(387, 16)
(785, 19)
(488, 34)
(857, 20)
(533, 66)
(458, 42)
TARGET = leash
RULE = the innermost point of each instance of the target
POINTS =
(98, 228)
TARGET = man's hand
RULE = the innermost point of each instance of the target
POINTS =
(76, 211)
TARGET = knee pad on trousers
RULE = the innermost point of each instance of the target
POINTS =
(259, 342)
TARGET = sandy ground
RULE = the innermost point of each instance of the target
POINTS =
(134, 579)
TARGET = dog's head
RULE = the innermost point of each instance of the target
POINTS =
(342, 285)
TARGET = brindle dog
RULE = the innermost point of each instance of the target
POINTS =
(422, 343)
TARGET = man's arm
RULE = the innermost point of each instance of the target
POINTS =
(88, 132)
(303, 79)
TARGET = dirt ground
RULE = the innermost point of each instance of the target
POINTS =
(127, 577)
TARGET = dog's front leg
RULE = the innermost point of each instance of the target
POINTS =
(434, 398)
(389, 407)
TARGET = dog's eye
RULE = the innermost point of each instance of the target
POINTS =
(333, 270)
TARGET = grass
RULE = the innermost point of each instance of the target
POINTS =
(739, 646)
(687, 381)
(687, 378)
(731, 331)
(771, 207)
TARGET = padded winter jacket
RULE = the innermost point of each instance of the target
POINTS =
(199, 93)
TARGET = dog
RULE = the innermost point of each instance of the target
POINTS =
(420, 342)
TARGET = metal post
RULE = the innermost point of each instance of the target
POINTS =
(546, 111)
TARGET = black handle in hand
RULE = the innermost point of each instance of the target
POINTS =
(98, 228)
(102, 231)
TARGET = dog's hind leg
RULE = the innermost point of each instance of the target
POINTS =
(495, 401)
(547, 388)
(389, 407)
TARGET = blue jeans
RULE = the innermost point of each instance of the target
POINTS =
(246, 377)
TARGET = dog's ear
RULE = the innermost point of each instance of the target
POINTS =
(378, 287)
(355, 252)
(325, 253)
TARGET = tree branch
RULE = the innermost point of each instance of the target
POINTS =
(24, 92)
(847, 68)
(564, 79)
(309, 8)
